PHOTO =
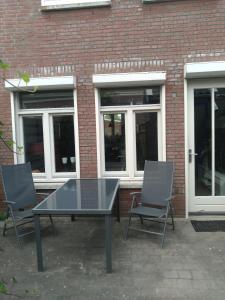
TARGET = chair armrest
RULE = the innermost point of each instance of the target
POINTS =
(41, 197)
(10, 205)
(170, 199)
(10, 202)
(134, 199)
(135, 193)
(43, 194)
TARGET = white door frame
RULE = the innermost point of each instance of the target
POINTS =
(188, 86)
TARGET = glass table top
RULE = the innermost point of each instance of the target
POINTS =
(81, 196)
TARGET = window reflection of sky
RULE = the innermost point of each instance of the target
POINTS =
(85, 194)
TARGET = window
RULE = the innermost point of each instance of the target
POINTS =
(45, 130)
(130, 129)
(67, 4)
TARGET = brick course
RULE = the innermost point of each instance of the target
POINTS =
(126, 37)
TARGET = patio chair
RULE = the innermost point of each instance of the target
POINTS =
(20, 197)
(154, 201)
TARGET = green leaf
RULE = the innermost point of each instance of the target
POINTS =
(3, 288)
(10, 143)
(26, 77)
(3, 65)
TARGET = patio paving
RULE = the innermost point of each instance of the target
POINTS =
(191, 266)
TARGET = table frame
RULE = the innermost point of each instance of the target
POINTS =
(108, 230)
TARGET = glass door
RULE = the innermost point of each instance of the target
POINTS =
(206, 153)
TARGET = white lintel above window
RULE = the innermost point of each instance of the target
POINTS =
(154, 1)
(129, 79)
(205, 69)
(72, 4)
(42, 83)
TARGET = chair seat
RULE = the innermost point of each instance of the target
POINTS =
(148, 211)
(22, 214)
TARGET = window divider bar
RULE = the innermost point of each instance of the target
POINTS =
(213, 141)
(47, 147)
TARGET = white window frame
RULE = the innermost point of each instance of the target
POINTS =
(131, 177)
(49, 178)
(159, 134)
(52, 144)
(130, 137)
(72, 4)
(208, 74)
(102, 163)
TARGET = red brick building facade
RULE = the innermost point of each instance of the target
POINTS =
(140, 45)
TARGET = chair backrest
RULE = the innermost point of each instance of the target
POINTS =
(157, 183)
(18, 185)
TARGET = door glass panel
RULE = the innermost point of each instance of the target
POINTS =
(64, 144)
(33, 143)
(114, 142)
(219, 142)
(203, 143)
(146, 138)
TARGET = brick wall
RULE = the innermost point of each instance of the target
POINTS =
(128, 36)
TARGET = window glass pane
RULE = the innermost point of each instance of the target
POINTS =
(203, 142)
(130, 96)
(219, 142)
(46, 99)
(33, 142)
(114, 142)
(146, 138)
(64, 144)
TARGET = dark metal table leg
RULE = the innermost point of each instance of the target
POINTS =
(108, 243)
(118, 206)
(38, 243)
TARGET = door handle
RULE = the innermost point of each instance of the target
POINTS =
(190, 155)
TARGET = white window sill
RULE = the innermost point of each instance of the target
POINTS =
(43, 83)
(49, 185)
(131, 184)
(124, 184)
(54, 5)
(128, 183)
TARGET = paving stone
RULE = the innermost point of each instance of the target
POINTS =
(170, 274)
(191, 265)
(185, 274)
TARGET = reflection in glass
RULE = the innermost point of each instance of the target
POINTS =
(146, 138)
(33, 143)
(219, 142)
(130, 96)
(64, 144)
(46, 99)
(95, 196)
(203, 147)
(114, 142)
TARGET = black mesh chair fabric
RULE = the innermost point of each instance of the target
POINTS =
(18, 185)
(157, 183)
(20, 197)
(154, 201)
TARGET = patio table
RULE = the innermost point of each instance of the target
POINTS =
(87, 197)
